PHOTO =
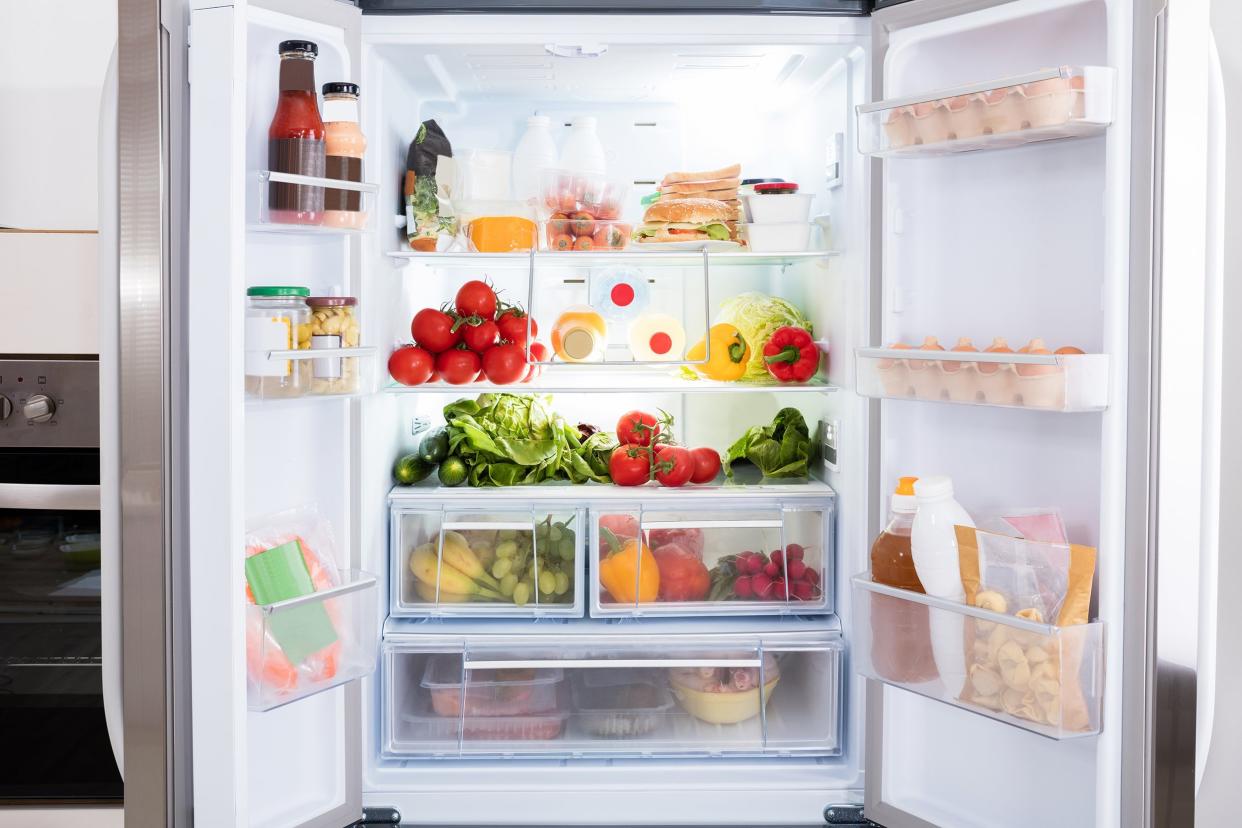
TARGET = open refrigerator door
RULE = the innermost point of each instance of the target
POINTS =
(1013, 200)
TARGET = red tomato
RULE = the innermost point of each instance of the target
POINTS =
(458, 366)
(433, 330)
(476, 298)
(683, 577)
(691, 540)
(630, 465)
(673, 465)
(480, 337)
(512, 325)
(411, 365)
(538, 354)
(706, 465)
(505, 363)
(582, 224)
(637, 428)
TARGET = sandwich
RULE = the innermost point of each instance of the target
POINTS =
(686, 219)
(720, 178)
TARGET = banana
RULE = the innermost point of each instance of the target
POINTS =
(427, 592)
(456, 551)
(423, 563)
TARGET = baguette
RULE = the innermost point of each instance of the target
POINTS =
(731, 171)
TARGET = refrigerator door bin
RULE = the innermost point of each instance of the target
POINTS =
(1047, 382)
(323, 372)
(1066, 102)
(618, 698)
(753, 557)
(358, 195)
(518, 559)
(305, 645)
(1038, 677)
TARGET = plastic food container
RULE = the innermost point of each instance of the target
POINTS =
(707, 695)
(567, 193)
(424, 725)
(620, 704)
(586, 233)
(780, 207)
(333, 324)
(277, 319)
(784, 237)
(518, 692)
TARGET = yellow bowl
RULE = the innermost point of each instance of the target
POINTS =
(722, 708)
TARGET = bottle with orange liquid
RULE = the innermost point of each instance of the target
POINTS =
(900, 633)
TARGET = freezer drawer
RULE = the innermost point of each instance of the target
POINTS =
(569, 697)
(1045, 679)
(519, 559)
(752, 557)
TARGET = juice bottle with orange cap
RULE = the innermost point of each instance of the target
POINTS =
(900, 633)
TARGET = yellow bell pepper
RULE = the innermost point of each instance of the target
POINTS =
(730, 354)
(630, 568)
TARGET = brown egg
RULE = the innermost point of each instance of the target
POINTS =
(998, 346)
(963, 344)
(897, 346)
(1069, 349)
(929, 344)
(1035, 346)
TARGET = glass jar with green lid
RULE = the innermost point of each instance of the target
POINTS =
(277, 319)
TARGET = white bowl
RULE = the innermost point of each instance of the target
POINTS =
(778, 209)
(785, 237)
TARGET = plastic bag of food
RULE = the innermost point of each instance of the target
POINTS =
(426, 213)
(1041, 523)
(288, 555)
(1026, 674)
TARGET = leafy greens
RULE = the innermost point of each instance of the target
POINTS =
(781, 449)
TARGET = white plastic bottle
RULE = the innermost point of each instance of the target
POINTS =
(583, 153)
(536, 151)
(933, 546)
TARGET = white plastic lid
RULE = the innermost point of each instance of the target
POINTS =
(539, 121)
(933, 488)
(585, 122)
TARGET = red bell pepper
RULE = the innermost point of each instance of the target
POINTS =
(791, 354)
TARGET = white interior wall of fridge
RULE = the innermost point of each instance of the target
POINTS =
(1029, 242)
(415, 68)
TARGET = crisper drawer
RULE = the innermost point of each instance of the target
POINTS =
(590, 696)
(744, 557)
(1039, 677)
(520, 559)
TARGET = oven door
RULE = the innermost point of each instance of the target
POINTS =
(57, 749)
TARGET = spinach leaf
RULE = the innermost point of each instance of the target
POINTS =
(780, 449)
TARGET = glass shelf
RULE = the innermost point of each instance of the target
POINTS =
(682, 258)
(1051, 104)
(614, 379)
(746, 482)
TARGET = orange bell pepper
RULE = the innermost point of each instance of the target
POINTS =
(630, 568)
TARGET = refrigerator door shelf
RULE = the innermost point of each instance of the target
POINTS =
(615, 699)
(1067, 102)
(1037, 677)
(320, 372)
(306, 645)
(519, 560)
(341, 222)
(757, 558)
(1047, 382)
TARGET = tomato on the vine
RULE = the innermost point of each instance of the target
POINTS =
(433, 330)
(637, 428)
(512, 324)
(411, 365)
(458, 366)
(481, 336)
(673, 465)
(706, 464)
(476, 298)
(630, 465)
(505, 364)
(538, 354)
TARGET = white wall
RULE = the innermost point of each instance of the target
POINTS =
(53, 56)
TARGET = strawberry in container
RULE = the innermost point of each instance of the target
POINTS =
(585, 211)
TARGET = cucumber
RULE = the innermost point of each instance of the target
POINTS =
(434, 446)
(411, 469)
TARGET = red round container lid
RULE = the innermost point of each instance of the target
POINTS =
(622, 295)
(660, 343)
(777, 189)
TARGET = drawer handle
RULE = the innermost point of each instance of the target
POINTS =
(740, 523)
(597, 663)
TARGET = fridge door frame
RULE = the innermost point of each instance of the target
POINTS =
(214, 296)
(1136, 636)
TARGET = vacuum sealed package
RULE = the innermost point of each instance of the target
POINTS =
(1027, 674)
(289, 555)
(427, 211)
(1036, 524)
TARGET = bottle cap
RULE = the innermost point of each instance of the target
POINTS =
(340, 88)
(306, 47)
(933, 488)
(903, 498)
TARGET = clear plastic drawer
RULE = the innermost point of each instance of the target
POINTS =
(512, 560)
(1041, 678)
(753, 558)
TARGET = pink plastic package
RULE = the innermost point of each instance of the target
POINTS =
(1042, 524)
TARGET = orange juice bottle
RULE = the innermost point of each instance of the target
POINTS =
(579, 335)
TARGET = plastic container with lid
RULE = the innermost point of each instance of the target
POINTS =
(933, 546)
(620, 704)
(535, 152)
(333, 324)
(777, 203)
(277, 319)
(583, 153)
(777, 237)
(517, 692)
(423, 725)
(657, 337)
(619, 293)
(585, 233)
(569, 192)
(579, 335)
(345, 147)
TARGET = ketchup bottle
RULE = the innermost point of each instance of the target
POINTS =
(296, 138)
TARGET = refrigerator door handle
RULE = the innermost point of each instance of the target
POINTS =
(59, 496)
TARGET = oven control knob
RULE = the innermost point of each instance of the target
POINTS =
(39, 409)
(6, 407)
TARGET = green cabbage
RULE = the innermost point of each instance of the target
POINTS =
(757, 316)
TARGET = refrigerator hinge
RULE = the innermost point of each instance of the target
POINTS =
(377, 816)
(848, 815)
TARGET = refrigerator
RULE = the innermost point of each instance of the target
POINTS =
(926, 225)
